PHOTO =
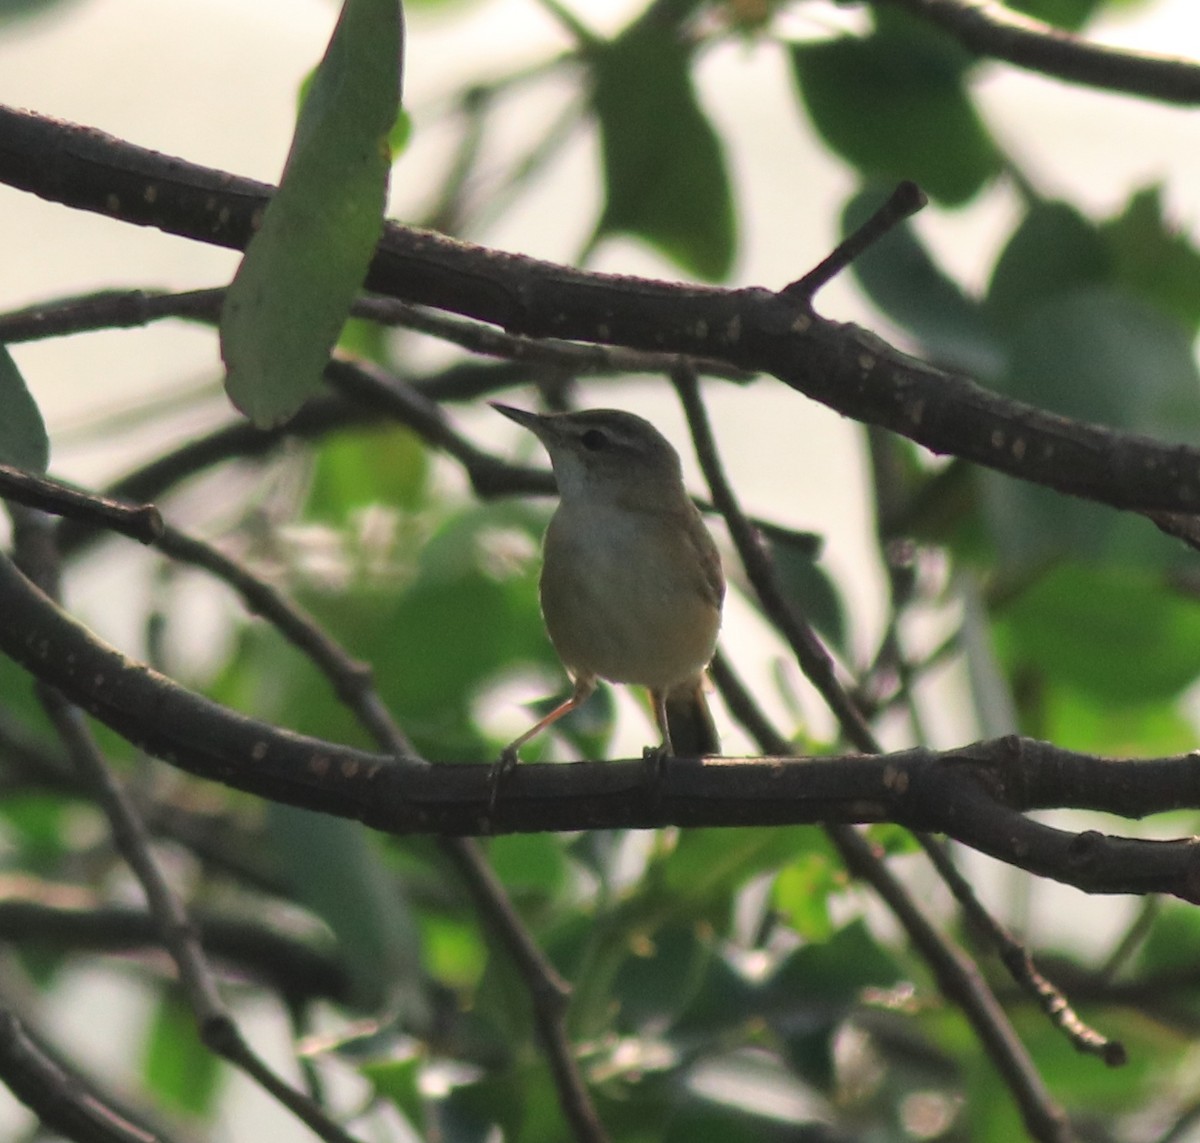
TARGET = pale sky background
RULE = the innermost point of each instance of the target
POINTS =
(215, 81)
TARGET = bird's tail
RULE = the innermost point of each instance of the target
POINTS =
(693, 732)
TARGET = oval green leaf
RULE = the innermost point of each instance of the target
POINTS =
(1096, 354)
(893, 104)
(665, 177)
(292, 292)
(1115, 634)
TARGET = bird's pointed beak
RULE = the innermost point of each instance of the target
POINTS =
(522, 416)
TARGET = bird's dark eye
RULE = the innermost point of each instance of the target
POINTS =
(594, 440)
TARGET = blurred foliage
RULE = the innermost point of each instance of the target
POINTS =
(728, 985)
(15, 11)
(664, 171)
(895, 105)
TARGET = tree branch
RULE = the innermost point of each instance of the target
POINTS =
(991, 29)
(958, 977)
(217, 1028)
(60, 1099)
(141, 522)
(759, 330)
(973, 794)
(289, 964)
(353, 682)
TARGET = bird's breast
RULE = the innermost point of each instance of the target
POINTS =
(632, 597)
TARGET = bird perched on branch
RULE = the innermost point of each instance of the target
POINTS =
(631, 583)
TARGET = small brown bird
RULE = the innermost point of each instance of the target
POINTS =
(631, 584)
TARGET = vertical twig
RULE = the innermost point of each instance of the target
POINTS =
(956, 973)
(353, 683)
(34, 545)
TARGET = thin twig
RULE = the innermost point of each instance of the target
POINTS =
(36, 913)
(141, 522)
(810, 653)
(353, 682)
(892, 506)
(1015, 957)
(122, 309)
(956, 974)
(1131, 940)
(994, 30)
(217, 1028)
(60, 1100)
(902, 203)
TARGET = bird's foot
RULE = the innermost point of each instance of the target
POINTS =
(502, 769)
(654, 762)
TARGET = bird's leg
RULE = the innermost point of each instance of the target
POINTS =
(507, 762)
(655, 757)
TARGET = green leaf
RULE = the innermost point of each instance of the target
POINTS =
(23, 440)
(1100, 355)
(1155, 260)
(13, 10)
(398, 1081)
(398, 136)
(529, 863)
(335, 871)
(1150, 636)
(453, 950)
(809, 585)
(470, 1111)
(801, 891)
(901, 277)
(356, 470)
(1088, 723)
(177, 1067)
(665, 175)
(1082, 346)
(723, 1003)
(990, 1114)
(24, 715)
(706, 1121)
(292, 292)
(655, 984)
(707, 865)
(38, 829)
(815, 987)
(1054, 250)
(893, 105)
(1172, 941)
(837, 970)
